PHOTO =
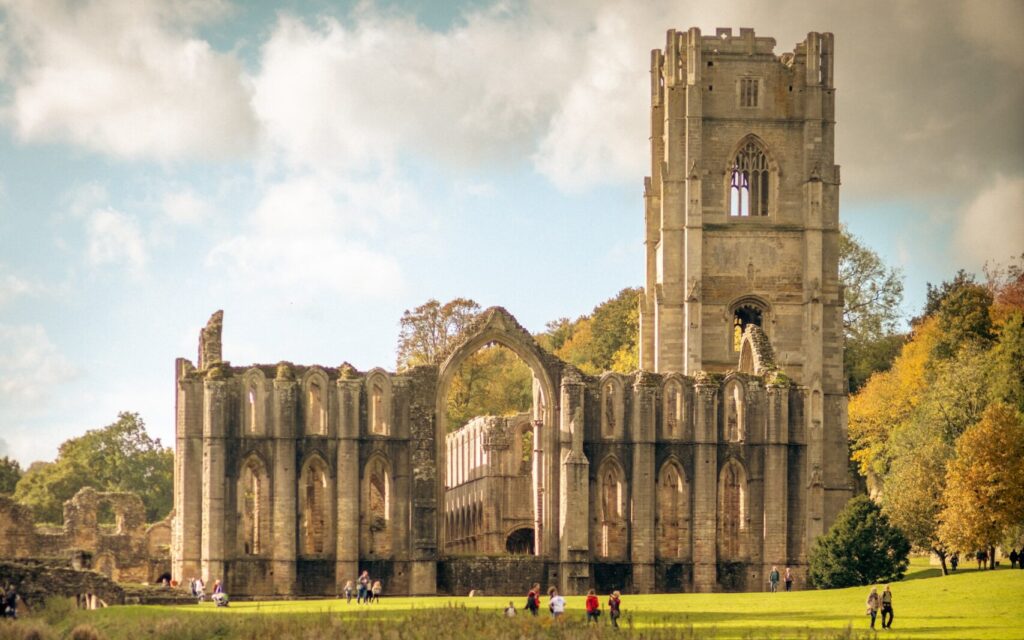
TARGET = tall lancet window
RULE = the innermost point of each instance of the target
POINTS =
(749, 186)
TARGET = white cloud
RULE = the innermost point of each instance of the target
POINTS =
(315, 233)
(186, 208)
(114, 237)
(30, 366)
(992, 226)
(125, 78)
(12, 286)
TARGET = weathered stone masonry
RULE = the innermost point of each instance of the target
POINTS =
(697, 473)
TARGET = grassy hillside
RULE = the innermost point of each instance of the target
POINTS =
(969, 604)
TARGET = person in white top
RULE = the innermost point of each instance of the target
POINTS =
(556, 603)
(510, 610)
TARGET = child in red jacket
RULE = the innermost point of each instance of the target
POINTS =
(593, 606)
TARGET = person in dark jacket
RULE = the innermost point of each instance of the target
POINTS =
(615, 608)
(533, 599)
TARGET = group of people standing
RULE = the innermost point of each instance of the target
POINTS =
(9, 602)
(197, 588)
(773, 579)
(366, 591)
(556, 605)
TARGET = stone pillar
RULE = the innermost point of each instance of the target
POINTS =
(400, 469)
(574, 497)
(538, 490)
(187, 531)
(214, 481)
(776, 480)
(705, 488)
(426, 486)
(643, 484)
(347, 549)
(284, 493)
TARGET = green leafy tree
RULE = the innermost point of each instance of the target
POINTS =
(10, 473)
(872, 295)
(428, 332)
(604, 340)
(964, 319)
(119, 457)
(984, 497)
(861, 548)
(494, 381)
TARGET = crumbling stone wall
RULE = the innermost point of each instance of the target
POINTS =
(125, 551)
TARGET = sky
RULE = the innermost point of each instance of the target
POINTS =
(316, 168)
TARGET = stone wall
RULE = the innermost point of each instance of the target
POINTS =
(494, 576)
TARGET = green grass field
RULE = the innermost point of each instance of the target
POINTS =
(969, 604)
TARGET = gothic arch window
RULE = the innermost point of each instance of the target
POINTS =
(743, 315)
(314, 505)
(672, 524)
(378, 397)
(732, 512)
(376, 507)
(316, 420)
(252, 418)
(612, 407)
(750, 179)
(612, 520)
(673, 410)
(253, 508)
(734, 429)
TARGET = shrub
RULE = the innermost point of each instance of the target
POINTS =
(861, 548)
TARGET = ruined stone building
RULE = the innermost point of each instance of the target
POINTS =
(125, 550)
(724, 455)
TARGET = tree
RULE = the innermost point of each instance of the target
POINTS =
(605, 340)
(118, 457)
(493, 381)
(862, 547)
(431, 330)
(872, 293)
(984, 497)
(10, 473)
(964, 318)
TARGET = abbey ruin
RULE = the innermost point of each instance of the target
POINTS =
(724, 455)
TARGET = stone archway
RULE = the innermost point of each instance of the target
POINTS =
(496, 325)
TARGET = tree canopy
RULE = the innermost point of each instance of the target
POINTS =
(429, 331)
(119, 457)
(10, 473)
(861, 548)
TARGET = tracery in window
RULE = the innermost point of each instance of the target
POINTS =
(748, 92)
(749, 186)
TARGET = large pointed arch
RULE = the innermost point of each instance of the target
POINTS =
(733, 512)
(254, 403)
(315, 402)
(497, 325)
(252, 498)
(672, 519)
(611, 534)
(377, 507)
(316, 498)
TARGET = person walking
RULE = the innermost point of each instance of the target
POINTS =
(510, 610)
(1014, 557)
(773, 579)
(533, 599)
(873, 603)
(556, 603)
(363, 588)
(887, 608)
(954, 561)
(615, 608)
(349, 588)
(593, 607)
(788, 577)
(377, 589)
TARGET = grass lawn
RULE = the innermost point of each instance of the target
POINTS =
(968, 604)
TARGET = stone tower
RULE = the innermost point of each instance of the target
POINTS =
(742, 225)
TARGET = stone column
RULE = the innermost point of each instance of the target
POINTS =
(574, 497)
(347, 549)
(214, 481)
(705, 488)
(284, 494)
(643, 484)
(776, 480)
(187, 532)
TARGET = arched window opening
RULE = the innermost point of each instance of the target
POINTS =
(252, 491)
(749, 186)
(732, 507)
(314, 514)
(742, 317)
(673, 515)
(609, 410)
(315, 420)
(613, 522)
(734, 428)
(377, 420)
(251, 408)
(520, 541)
(377, 507)
(525, 441)
(673, 409)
